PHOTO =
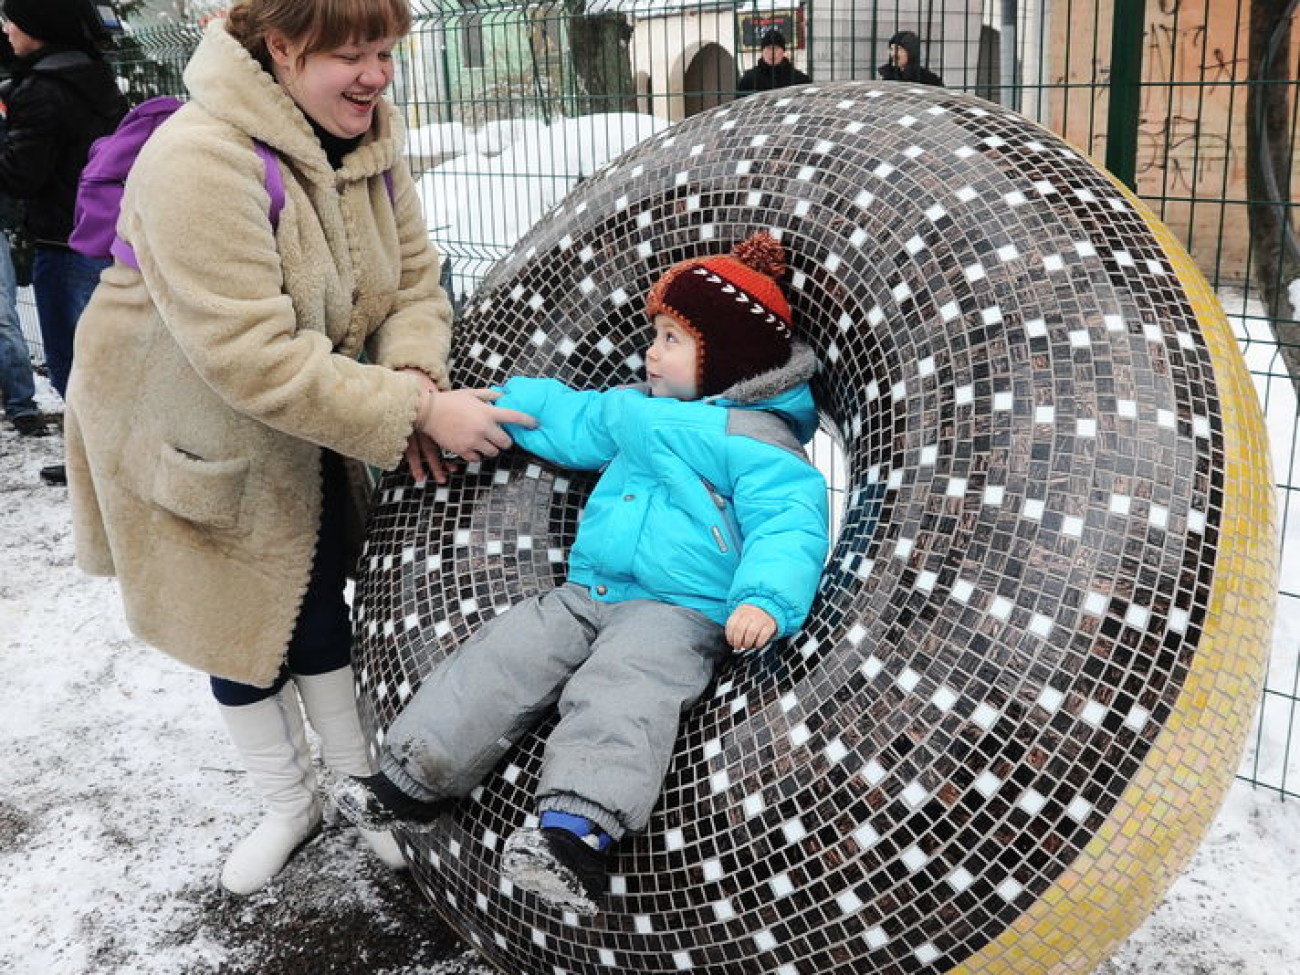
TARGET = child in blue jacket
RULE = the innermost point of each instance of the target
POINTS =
(707, 529)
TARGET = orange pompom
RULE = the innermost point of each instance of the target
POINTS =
(763, 253)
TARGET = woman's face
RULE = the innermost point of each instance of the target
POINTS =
(22, 43)
(338, 88)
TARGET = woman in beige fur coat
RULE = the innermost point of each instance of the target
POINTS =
(218, 417)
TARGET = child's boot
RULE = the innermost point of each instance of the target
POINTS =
(332, 711)
(372, 802)
(270, 739)
(563, 862)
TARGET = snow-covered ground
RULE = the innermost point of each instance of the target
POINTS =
(119, 791)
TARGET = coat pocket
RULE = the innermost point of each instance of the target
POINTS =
(206, 492)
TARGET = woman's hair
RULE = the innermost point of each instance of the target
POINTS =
(320, 25)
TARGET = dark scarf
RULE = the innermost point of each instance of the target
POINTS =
(335, 147)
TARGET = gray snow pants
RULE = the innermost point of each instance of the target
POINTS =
(620, 674)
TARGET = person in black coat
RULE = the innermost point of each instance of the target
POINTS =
(17, 385)
(60, 97)
(773, 70)
(904, 62)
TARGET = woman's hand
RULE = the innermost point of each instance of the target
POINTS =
(749, 627)
(424, 458)
(466, 423)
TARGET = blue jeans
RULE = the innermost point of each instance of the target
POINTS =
(63, 281)
(16, 381)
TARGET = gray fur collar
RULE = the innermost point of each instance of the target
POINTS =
(801, 367)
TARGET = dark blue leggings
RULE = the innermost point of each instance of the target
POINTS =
(322, 636)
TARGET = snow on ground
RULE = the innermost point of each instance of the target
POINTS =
(119, 793)
(431, 144)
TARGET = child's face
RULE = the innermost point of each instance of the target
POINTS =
(670, 361)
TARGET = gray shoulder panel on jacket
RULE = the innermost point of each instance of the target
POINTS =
(764, 426)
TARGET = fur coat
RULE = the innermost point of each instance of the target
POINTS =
(205, 384)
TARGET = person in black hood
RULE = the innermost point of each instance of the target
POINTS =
(60, 97)
(904, 62)
(773, 70)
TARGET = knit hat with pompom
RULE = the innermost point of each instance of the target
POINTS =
(734, 308)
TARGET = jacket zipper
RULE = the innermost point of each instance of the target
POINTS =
(733, 531)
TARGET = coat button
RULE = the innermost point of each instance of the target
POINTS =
(602, 590)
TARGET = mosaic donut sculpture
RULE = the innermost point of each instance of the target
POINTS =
(1024, 687)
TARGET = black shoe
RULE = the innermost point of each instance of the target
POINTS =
(54, 474)
(31, 425)
(373, 802)
(558, 866)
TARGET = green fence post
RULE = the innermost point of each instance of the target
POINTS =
(1125, 79)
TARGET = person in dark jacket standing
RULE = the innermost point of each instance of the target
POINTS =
(773, 70)
(17, 385)
(61, 96)
(904, 62)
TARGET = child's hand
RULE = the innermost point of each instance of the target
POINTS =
(749, 627)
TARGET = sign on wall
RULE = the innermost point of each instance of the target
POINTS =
(750, 28)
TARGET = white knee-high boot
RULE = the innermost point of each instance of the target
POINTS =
(270, 738)
(332, 711)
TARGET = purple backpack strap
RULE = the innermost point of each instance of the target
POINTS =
(274, 181)
(123, 252)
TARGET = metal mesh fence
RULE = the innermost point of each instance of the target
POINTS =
(1194, 104)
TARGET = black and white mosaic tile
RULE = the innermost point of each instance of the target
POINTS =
(1033, 439)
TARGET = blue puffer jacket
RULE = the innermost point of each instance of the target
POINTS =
(696, 505)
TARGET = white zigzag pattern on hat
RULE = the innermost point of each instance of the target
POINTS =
(727, 288)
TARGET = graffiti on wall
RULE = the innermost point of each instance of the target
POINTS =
(1191, 116)
(1191, 77)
